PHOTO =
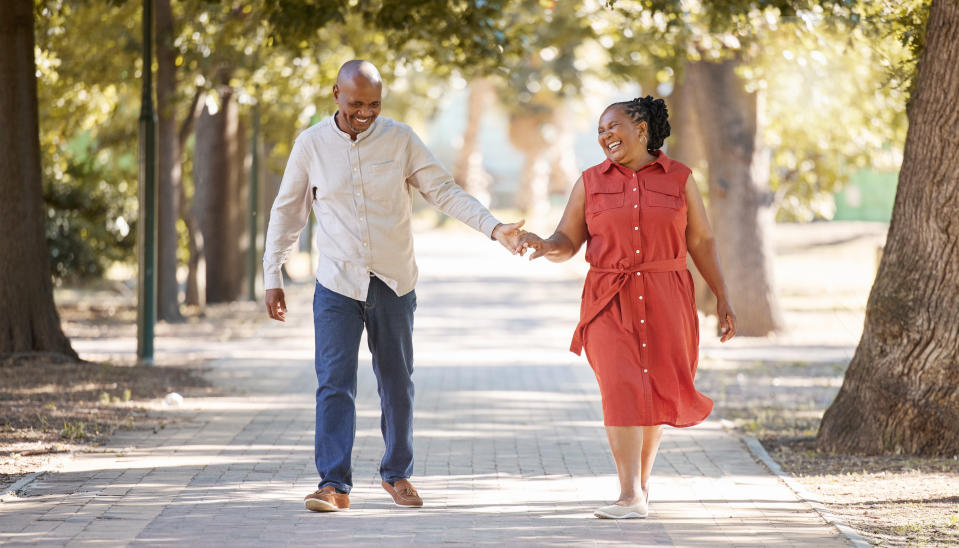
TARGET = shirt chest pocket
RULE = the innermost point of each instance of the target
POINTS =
(383, 180)
(604, 195)
(662, 192)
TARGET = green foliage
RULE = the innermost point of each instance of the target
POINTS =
(825, 118)
(87, 134)
(833, 108)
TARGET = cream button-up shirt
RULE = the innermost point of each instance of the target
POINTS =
(361, 194)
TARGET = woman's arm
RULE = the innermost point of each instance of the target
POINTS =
(569, 235)
(701, 245)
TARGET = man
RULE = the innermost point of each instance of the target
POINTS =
(356, 170)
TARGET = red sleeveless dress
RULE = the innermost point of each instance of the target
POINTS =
(638, 321)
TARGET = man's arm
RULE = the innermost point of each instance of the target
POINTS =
(436, 185)
(290, 213)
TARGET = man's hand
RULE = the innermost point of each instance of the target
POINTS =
(509, 236)
(276, 304)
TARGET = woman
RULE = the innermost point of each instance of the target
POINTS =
(640, 213)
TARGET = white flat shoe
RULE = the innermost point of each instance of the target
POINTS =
(615, 511)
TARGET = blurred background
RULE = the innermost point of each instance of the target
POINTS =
(785, 116)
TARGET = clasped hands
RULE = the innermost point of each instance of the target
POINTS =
(519, 241)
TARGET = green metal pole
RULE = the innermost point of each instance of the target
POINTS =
(254, 203)
(147, 225)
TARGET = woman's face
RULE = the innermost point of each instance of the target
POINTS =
(620, 137)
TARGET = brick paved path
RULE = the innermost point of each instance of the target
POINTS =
(509, 443)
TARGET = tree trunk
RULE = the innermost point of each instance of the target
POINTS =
(217, 198)
(169, 174)
(686, 145)
(739, 196)
(469, 172)
(526, 134)
(29, 322)
(196, 267)
(901, 391)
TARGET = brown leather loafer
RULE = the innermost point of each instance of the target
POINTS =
(403, 493)
(327, 500)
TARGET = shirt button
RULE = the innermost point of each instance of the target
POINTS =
(364, 245)
(634, 189)
(642, 321)
(357, 192)
(635, 206)
(355, 169)
(645, 370)
(637, 251)
(644, 345)
(635, 228)
(362, 218)
(639, 273)
(640, 297)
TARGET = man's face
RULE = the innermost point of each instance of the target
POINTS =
(358, 101)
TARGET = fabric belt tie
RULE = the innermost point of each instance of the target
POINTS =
(592, 309)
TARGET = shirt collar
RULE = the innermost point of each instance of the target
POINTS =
(664, 161)
(359, 136)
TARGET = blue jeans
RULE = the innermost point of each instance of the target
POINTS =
(338, 323)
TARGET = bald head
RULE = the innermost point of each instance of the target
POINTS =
(358, 93)
(358, 68)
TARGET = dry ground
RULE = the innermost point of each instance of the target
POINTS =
(51, 406)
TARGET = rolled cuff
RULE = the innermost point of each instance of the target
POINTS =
(272, 277)
(488, 224)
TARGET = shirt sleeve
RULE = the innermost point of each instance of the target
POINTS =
(436, 185)
(290, 213)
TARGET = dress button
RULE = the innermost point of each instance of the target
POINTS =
(635, 206)
(642, 321)
(634, 189)
(637, 251)
(635, 228)
(639, 273)
(640, 297)
(645, 370)
(644, 345)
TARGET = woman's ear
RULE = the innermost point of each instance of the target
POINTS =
(642, 128)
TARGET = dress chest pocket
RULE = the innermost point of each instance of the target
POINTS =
(605, 195)
(662, 191)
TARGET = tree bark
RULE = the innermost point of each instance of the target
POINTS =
(901, 390)
(29, 322)
(169, 172)
(217, 198)
(740, 201)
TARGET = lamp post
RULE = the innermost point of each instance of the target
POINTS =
(147, 199)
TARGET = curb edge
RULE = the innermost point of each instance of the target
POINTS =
(758, 451)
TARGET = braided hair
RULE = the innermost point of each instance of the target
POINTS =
(654, 113)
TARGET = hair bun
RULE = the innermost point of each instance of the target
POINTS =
(655, 114)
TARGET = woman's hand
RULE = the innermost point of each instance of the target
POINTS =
(539, 246)
(727, 319)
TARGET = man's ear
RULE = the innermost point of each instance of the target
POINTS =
(336, 92)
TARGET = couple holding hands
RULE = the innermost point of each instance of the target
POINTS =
(639, 212)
